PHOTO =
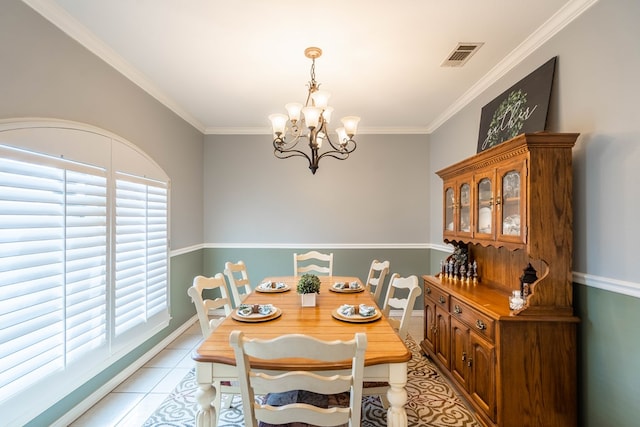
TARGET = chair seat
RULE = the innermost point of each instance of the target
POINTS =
(374, 384)
(304, 396)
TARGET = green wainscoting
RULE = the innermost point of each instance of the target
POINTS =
(182, 269)
(608, 352)
(265, 262)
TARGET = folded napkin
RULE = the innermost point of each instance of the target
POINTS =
(347, 310)
(262, 309)
(366, 310)
(271, 285)
(362, 310)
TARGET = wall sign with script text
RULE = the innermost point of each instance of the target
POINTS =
(520, 109)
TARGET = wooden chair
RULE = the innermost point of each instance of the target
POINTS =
(252, 381)
(375, 281)
(304, 263)
(238, 281)
(205, 308)
(409, 287)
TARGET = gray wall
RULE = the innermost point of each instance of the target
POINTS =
(596, 93)
(46, 74)
(377, 196)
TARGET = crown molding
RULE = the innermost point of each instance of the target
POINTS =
(361, 131)
(70, 26)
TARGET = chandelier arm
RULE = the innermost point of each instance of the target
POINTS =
(335, 154)
(289, 145)
(285, 154)
(340, 149)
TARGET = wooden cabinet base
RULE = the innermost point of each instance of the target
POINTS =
(525, 376)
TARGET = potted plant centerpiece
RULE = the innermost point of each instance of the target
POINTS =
(308, 287)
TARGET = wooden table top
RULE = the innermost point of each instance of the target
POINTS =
(384, 344)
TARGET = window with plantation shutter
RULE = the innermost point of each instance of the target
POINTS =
(141, 255)
(83, 259)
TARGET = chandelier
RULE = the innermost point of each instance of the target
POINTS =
(309, 122)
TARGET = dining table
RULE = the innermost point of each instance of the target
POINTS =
(386, 355)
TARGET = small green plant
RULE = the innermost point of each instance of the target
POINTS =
(308, 283)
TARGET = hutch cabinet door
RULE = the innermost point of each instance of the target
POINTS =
(449, 204)
(512, 209)
(460, 352)
(482, 375)
(443, 343)
(485, 206)
(430, 326)
(457, 213)
(463, 202)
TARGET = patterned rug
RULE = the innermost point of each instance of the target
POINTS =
(431, 402)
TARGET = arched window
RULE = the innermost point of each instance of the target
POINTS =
(84, 250)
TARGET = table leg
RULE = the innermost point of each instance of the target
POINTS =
(397, 395)
(206, 415)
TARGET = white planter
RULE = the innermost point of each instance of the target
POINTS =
(308, 300)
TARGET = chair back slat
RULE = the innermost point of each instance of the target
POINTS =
(375, 280)
(205, 306)
(238, 281)
(310, 263)
(410, 288)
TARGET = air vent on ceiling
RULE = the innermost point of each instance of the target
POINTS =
(461, 54)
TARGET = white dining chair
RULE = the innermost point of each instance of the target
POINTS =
(209, 317)
(206, 307)
(401, 295)
(375, 280)
(238, 281)
(313, 262)
(409, 288)
(254, 381)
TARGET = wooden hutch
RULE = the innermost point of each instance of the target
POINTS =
(509, 206)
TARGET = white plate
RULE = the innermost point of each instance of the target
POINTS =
(267, 287)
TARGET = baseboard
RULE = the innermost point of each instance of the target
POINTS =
(96, 396)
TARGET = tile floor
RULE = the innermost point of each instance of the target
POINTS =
(133, 401)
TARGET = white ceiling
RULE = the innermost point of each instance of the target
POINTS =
(224, 66)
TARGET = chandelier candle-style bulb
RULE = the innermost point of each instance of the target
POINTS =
(351, 125)
(294, 109)
(326, 114)
(310, 122)
(279, 123)
(320, 98)
(342, 136)
(312, 116)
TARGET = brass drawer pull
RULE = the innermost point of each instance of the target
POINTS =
(480, 324)
(457, 309)
(428, 290)
(442, 299)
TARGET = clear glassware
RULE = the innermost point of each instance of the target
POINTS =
(516, 302)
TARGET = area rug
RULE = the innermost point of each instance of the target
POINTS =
(431, 402)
